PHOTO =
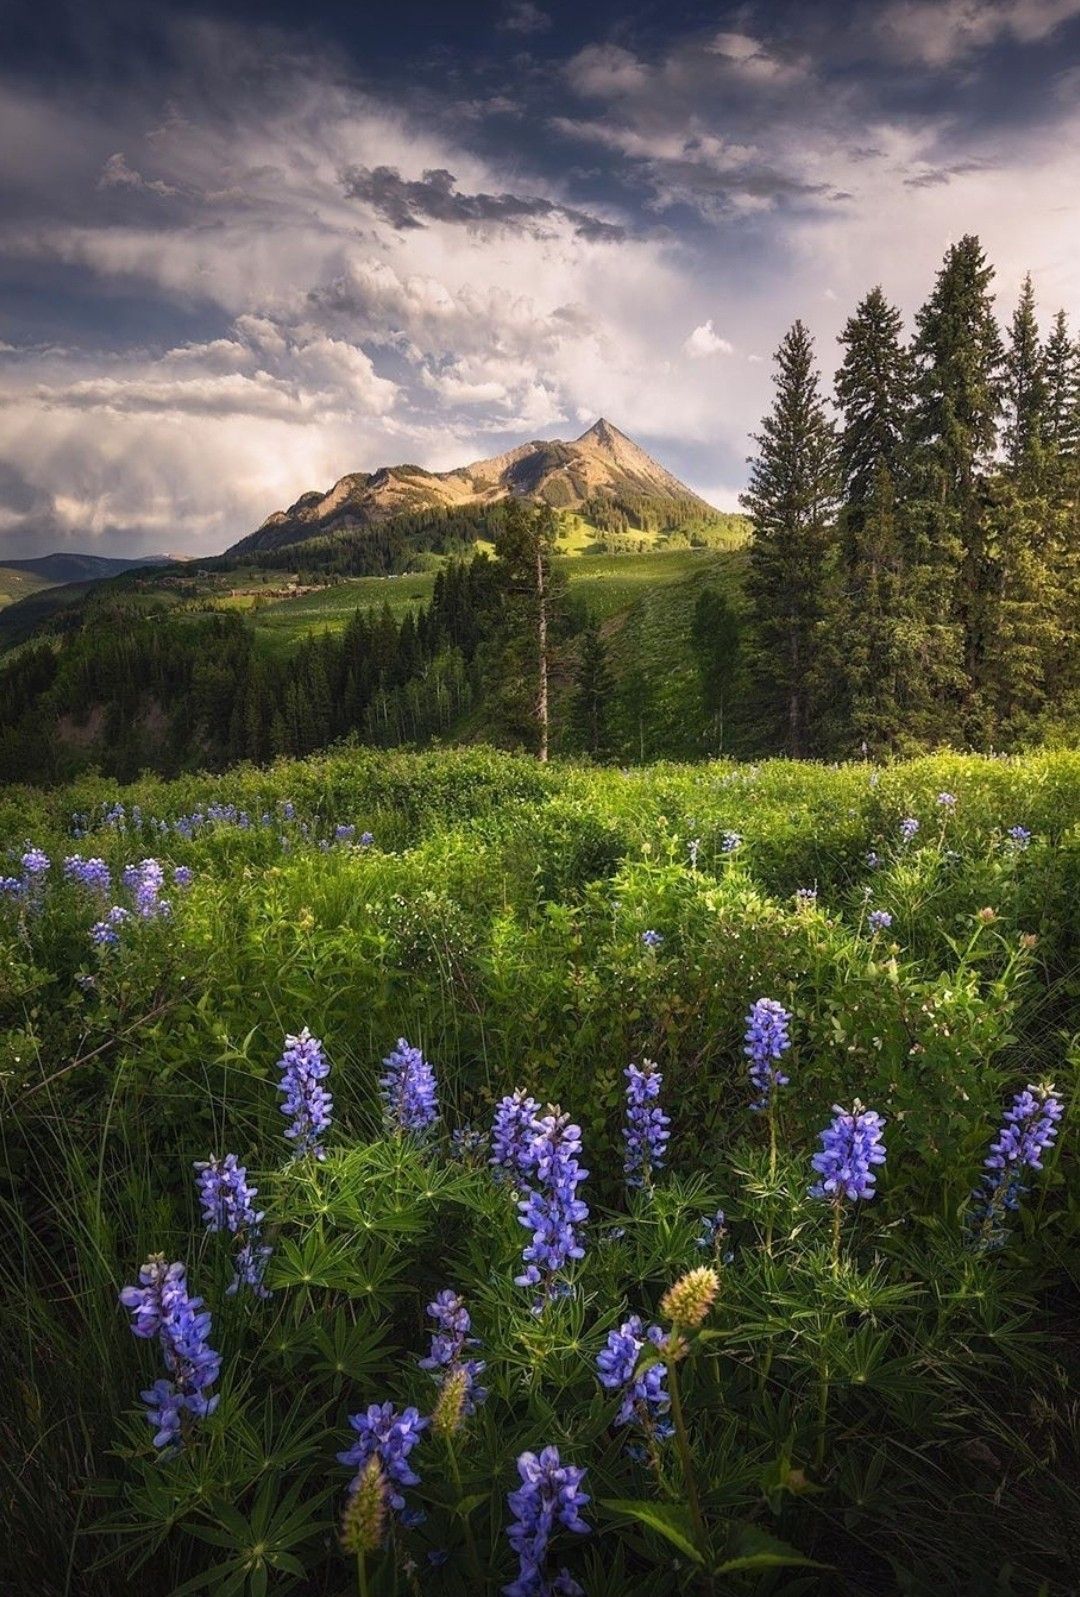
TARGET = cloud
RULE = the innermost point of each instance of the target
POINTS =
(521, 16)
(116, 174)
(942, 33)
(606, 72)
(705, 341)
(434, 197)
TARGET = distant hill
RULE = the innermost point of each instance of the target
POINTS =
(602, 464)
(61, 567)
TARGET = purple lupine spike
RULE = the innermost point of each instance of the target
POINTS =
(646, 1133)
(383, 1433)
(162, 1307)
(768, 1039)
(408, 1089)
(850, 1148)
(551, 1209)
(645, 1399)
(550, 1495)
(308, 1104)
(1029, 1128)
(513, 1132)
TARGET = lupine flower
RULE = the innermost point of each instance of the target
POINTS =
(713, 1234)
(92, 874)
(1029, 1128)
(693, 849)
(646, 1131)
(850, 1148)
(879, 920)
(550, 1495)
(390, 1437)
(228, 1205)
(469, 1144)
(183, 875)
(145, 881)
(873, 860)
(307, 1103)
(408, 1089)
(644, 1397)
(1019, 837)
(452, 1403)
(363, 1524)
(908, 828)
(805, 897)
(448, 1344)
(13, 886)
(35, 862)
(947, 801)
(652, 939)
(767, 1041)
(552, 1210)
(513, 1131)
(689, 1300)
(344, 834)
(366, 839)
(161, 1307)
(730, 842)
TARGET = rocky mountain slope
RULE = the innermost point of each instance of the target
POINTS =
(602, 462)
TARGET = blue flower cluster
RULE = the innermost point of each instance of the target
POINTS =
(550, 1495)
(730, 842)
(93, 874)
(652, 939)
(646, 1131)
(115, 818)
(768, 1039)
(145, 881)
(909, 827)
(551, 1209)
(408, 1090)
(1019, 837)
(307, 1103)
(1029, 1128)
(512, 1132)
(161, 1307)
(714, 1234)
(228, 1204)
(449, 1342)
(879, 920)
(645, 1399)
(850, 1148)
(390, 1437)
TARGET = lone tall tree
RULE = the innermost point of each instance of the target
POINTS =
(590, 708)
(523, 547)
(792, 497)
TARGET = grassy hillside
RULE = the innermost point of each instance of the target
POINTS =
(16, 585)
(877, 1397)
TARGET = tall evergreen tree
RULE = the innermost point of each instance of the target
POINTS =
(520, 678)
(594, 691)
(958, 399)
(792, 498)
(1025, 387)
(873, 393)
(1062, 411)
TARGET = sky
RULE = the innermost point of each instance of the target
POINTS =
(247, 248)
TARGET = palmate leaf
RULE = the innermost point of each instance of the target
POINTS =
(669, 1519)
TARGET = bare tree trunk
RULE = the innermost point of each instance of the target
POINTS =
(541, 636)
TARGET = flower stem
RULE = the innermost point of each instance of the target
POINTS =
(470, 1542)
(682, 1441)
(361, 1573)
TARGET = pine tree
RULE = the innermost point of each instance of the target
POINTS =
(1062, 409)
(533, 591)
(1025, 388)
(958, 399)
(873, 392)
(594, 690)
(792, 497)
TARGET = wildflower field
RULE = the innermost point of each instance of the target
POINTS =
(441, 1173)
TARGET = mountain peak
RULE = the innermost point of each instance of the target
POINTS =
(602, 463)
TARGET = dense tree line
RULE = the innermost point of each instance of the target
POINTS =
(913, 569)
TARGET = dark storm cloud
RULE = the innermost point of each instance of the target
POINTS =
(434, 197)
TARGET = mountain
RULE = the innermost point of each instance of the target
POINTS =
(602, 463)
(57, 568)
